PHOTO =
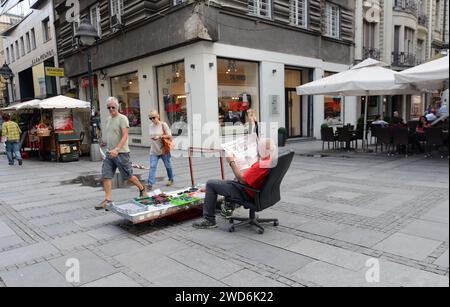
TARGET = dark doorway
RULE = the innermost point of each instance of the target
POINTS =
(26, 84)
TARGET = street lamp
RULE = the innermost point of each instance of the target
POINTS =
(7, 74)
(87, 36)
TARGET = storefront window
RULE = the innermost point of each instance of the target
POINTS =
(40, 90)
(238, 85)
(333, 107)
(172, 97)
(417, 107)
(126, 89)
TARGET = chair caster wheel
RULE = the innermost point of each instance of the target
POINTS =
(231, 229)
(276, 223)
(260, 231)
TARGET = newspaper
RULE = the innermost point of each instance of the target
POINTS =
(245, 150)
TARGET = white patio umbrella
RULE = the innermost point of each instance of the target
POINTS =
(63, 102)
(368, 78)
(428, 76)
(23, 106)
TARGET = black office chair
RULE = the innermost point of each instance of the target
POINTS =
(268, 196)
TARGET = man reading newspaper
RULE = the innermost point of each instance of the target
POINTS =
(254, 177)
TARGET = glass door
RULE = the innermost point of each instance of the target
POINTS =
(293, 113)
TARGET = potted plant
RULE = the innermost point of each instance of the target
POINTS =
(282, 136)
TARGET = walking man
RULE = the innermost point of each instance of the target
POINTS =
(11, 133)
(118, 155)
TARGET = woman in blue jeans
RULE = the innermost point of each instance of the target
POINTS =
(158, 131)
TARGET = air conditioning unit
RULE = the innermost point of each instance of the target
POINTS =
(116, 23)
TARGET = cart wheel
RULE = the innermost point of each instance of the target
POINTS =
(276, 223)
(260, 231)
(231, 229)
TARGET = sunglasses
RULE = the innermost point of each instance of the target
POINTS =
(152, 118)
(111, 108)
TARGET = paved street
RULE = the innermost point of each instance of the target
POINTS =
(337, 212)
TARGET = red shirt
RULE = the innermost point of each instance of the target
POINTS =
(255, 177)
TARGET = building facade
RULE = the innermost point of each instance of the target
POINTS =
(203, 64)
(402, 34)
(6, 21)
(30, 48)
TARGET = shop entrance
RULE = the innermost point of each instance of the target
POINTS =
(293, 113)
(294, 106)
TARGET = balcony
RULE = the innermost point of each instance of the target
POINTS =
(373, 53)
(403, 59)
(407, 6)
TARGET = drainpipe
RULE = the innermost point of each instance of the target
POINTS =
(430, 28)
(445, 22)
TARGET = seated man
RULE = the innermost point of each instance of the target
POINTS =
(253, 177)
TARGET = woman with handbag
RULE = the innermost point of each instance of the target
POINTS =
(161, 143)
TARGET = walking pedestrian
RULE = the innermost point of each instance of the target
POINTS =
(159, 132)
(118, 154)
(11, 135)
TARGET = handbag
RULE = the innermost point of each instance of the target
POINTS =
(167, 143)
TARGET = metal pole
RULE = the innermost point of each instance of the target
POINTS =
(365, 120)
(91, 98)
(95, 146)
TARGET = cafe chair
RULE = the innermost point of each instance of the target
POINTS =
(434, 138)
(327, 136)
(384, 139)
(401, 139)
(346, 137)
(268, 196)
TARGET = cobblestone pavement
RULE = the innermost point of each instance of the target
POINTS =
(337, 212)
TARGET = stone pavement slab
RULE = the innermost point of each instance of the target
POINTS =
(186, 278)
(119, 247)
(71, 241)
(150, 264)
(330, 254)
(359, 236)
(329, 275)
(206, 263)
(412, 247)
(27, 253)
(323, 228)
(5, 231)
(36, 275)
(397, 275)
(443, 260)
(247, 278)
(8, 241)
(428, 230)
(115, 280)
(92, 267)
(283, 260)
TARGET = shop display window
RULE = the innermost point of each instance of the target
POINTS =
(126, 89)
(172, 97)
(238, 91)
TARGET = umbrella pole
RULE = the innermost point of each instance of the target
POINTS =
(365, 121)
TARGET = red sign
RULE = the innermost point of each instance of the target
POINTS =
(85, 81)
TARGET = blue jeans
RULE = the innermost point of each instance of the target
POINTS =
(154, 159)
(13, 147)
